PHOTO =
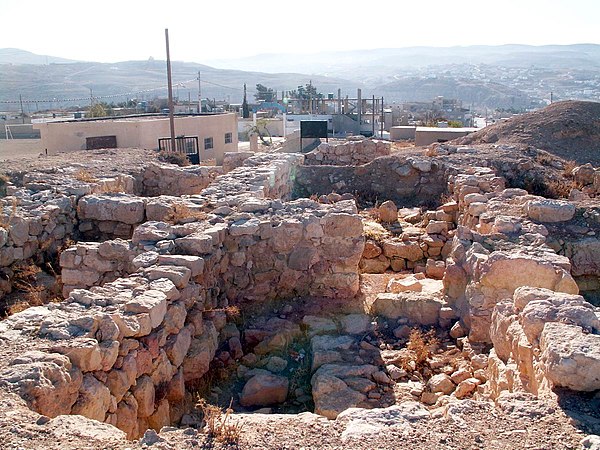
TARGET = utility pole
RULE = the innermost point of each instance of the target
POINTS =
(22, 113)
(91, 99)
(382, 118)
(199, 94)
(373, 117)
(170, 86)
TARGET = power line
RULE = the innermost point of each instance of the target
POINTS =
(100, 97)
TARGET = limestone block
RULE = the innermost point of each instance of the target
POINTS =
(436, 227)
(388, 212)
(127, 411)
(175, 317)
(201, 352)
(319, 325)
(84, 353)
(569, 357)
(564, 308)
(194, 263)
(372, 250)
(441, 383)
(378, 264)
(466, 387)
(152, 302)
(94, 399)
(161, 417)
(408, 250)
(355, 323)
(179, 275)
(76, 277)
(113, 207)
(47, 381)
(152, 231)
(178, 345)
(419, 308)
(144, 392)
(342, 225)
(547, 210)
(264, 390)
(510, 271)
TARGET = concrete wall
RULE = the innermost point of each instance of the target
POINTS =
(429, 135)
(142, 132)
(402, 133)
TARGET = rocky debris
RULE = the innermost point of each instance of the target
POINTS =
(360, 423)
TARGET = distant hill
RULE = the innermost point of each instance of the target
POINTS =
(145, 79)
(577, 56)
(470, 91)
(18, 56)
(569, 129)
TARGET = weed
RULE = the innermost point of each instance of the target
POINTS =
(544, 158)
(420, 346)
(569, 166)
(85, 176)
(375, 231)
(217, 423)
(177, 158)
(115, 188)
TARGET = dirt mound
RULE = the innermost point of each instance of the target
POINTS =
(570, 130)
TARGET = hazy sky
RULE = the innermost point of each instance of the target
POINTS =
(109, 30)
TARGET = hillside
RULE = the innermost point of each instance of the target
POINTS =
(129, 79)
(470, 91)
(18, 56)
(569, 129)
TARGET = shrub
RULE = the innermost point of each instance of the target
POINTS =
(177, 158)
(217, 424)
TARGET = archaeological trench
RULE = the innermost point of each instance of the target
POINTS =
(348, 277)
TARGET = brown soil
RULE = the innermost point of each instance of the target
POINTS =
(569, 129)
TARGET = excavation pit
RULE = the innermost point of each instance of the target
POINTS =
(254, 300)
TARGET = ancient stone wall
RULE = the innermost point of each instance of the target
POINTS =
(152, 313)
(350, 153)
(408, 181)
(167, 179)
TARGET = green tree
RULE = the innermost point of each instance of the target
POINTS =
(264, 93)
(97, 110)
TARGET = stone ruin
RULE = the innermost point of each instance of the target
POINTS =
(157, 266)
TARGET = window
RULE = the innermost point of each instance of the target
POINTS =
(208, 143)
(228, 138)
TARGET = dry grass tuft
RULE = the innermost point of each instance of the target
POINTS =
(375, 231)
(569, 166)
(85, 176)
(420, 348)
(217, 423)
(176, 158)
